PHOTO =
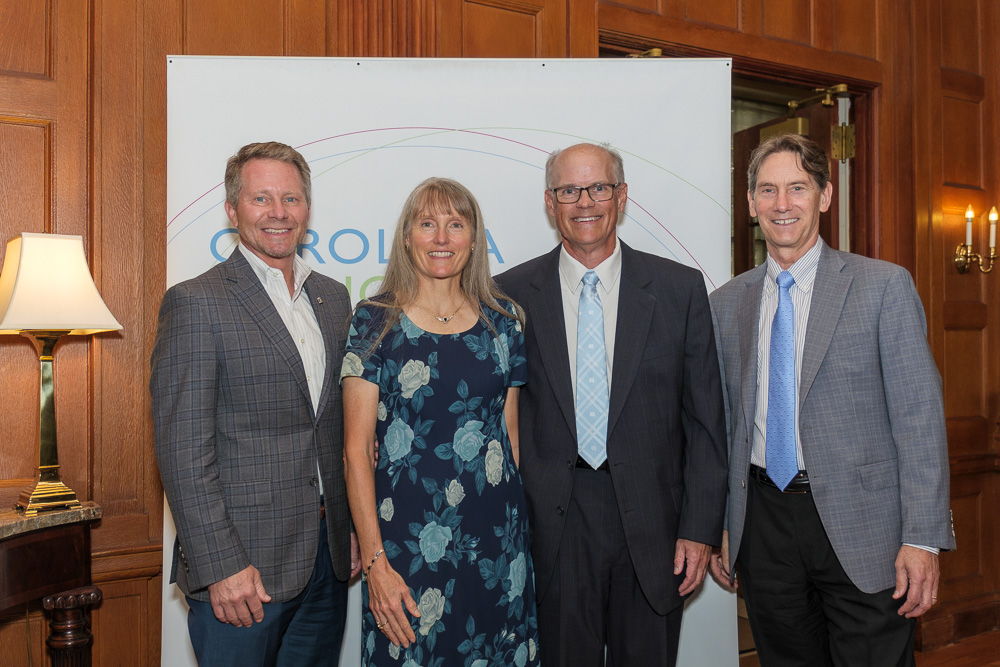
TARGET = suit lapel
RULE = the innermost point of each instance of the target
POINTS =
(829, 295)
(246, 288)
(547, 318)
(635, 313)
(748, 319)
(328, 327)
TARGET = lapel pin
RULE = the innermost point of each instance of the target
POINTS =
(319, 299)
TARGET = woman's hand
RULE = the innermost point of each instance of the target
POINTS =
(388, 594)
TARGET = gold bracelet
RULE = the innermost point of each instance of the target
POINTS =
(371, 564)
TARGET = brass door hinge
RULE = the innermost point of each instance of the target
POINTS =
(843, 142)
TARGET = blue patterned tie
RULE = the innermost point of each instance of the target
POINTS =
(781, 462)
(591, 376)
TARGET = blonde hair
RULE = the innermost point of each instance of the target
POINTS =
(400, 285)
(267, 150)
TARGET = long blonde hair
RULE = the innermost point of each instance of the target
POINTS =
(400, 285)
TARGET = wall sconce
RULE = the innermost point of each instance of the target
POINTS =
(46, 292)
(964, 257)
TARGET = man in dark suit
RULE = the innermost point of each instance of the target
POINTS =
(838, 483)
(621, 427)
(248, 425)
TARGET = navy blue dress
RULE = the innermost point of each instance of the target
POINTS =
(449, 499)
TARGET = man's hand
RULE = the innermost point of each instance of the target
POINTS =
(355, 556)
(692, 557)
(237, 599)
(917, 575)
(719, 565)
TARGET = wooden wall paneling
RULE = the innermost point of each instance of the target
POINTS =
(161, 35)
(789, 20)
(24, 165)
(23, 630)
(854, 27)
(796, 63)
(43, 112)
(581, 34)
(116, 208)
(956, 148)
(674, 8)
(234, 27)
(28, 19)
(306, 28)
(501, 28)
(960, 35)
(722, 13)
(962, 127)
(361, 28)
(255, 27)
(120, 623)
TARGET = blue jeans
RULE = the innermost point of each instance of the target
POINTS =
(306, 630)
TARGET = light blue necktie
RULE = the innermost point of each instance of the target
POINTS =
(591, 376)
(780, 457)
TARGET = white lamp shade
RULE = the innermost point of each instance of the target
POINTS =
(46, 286)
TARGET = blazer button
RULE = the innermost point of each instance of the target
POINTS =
(743, 483)
(560, 511)
(570, 464)
(314, 482)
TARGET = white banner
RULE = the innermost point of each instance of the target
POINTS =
(372, 129)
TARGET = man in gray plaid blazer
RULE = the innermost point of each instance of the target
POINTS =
(837, 562)
(248, 425)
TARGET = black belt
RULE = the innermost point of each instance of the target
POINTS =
(799, 483)
(581, 463)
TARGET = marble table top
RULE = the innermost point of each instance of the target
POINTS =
(14, 523)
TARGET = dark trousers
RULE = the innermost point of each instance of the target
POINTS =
(803, 608)
(594, 600)
(306, 630)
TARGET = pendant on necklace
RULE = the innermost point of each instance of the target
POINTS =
(444, 320)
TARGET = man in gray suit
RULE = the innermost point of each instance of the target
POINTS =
(838, 482)
(248, 425)
(622, 455)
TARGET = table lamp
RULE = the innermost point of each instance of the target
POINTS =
(47, 292)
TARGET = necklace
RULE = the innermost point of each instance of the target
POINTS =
(443, 320)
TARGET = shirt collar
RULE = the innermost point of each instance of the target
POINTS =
(300, 270)
(803, 270)
(571, 270)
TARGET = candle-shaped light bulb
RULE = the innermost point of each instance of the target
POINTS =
(968, 225)
(993, 227)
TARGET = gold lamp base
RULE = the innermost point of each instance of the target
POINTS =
(48, 493)
(46, 496)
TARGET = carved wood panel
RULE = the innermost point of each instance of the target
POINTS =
(501, 28)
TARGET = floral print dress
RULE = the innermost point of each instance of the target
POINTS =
(449, 498)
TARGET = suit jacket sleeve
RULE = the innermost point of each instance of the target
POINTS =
(705, 456)
(184, 389)
(916, 414)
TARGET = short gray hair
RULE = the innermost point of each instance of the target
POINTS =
(812, 158)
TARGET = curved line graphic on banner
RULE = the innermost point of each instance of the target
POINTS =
(356, 154)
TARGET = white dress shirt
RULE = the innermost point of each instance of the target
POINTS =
(571, 281)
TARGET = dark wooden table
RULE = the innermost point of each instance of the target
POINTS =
(47, 557)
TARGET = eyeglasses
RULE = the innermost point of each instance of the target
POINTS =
(570, 194)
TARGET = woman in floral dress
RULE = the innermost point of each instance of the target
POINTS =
(432, 371)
